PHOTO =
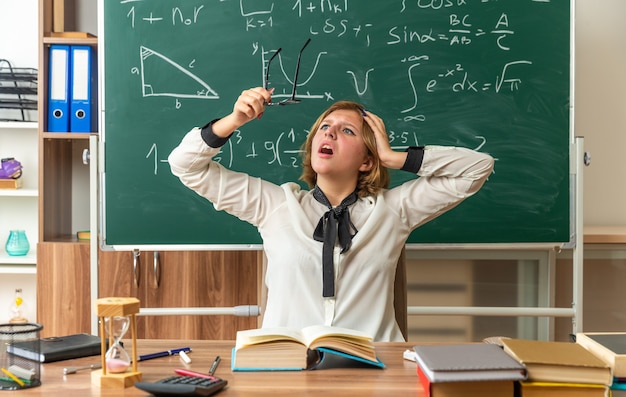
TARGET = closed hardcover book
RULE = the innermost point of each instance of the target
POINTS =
(467, 362)
(491, 388)
(47, 350)
(11, 183)
(610, 347)
(551, 389)
(287, 349)
(550, 361)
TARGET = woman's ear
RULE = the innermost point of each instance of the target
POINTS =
(367, 164)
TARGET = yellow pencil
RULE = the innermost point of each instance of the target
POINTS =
(15, 378)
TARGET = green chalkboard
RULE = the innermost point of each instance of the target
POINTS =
(484, 74)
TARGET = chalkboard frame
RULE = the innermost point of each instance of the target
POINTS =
(105, 242)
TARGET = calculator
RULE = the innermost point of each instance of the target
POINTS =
(183, 386)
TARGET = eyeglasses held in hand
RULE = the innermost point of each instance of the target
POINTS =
(292, 99)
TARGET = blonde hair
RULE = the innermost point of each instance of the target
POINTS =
(370, 182)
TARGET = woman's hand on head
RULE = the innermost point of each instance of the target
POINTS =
(380, 133)
(388, 157)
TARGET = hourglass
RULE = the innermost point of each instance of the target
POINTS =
(116, 358)
(117, 316)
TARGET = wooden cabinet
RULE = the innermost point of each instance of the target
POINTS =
(169, 279)
(63, 303)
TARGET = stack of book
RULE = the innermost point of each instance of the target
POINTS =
(469, 370)
(559, 369)
(610, 347)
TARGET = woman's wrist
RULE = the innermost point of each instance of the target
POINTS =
(392, 159)
(225, 126)
(210, 138)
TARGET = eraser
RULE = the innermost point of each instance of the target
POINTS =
(409, 355)
(22, 372)
(184, 357)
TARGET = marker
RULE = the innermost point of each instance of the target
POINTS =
(164, 353)
(214, 365)
(186, 372)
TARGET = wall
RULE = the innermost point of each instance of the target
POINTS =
(18, 43)
(600, 108)
(18, 32)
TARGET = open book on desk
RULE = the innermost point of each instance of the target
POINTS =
(287, 349)
(610, 347)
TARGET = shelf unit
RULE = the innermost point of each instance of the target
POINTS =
(18, 207)
(18, 210)
(64, 181)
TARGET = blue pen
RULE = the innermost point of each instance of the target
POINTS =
(164, 353)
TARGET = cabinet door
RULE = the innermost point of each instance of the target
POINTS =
(185, 279)
(63, 300)
(117, 274)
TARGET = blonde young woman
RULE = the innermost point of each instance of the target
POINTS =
(332, 250)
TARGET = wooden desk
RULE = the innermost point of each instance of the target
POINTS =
(399, 378)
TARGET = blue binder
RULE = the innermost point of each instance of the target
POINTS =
(82, 93)
(58, 84)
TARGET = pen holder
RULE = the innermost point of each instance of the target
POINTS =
(18, 370)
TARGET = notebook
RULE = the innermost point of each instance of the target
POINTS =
(57, 348)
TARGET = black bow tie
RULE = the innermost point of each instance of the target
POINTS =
(334, 223)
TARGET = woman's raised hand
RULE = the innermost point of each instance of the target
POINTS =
(388, 157)
(251, 104)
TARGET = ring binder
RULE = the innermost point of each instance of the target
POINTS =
(58, 96)
(82, 99)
